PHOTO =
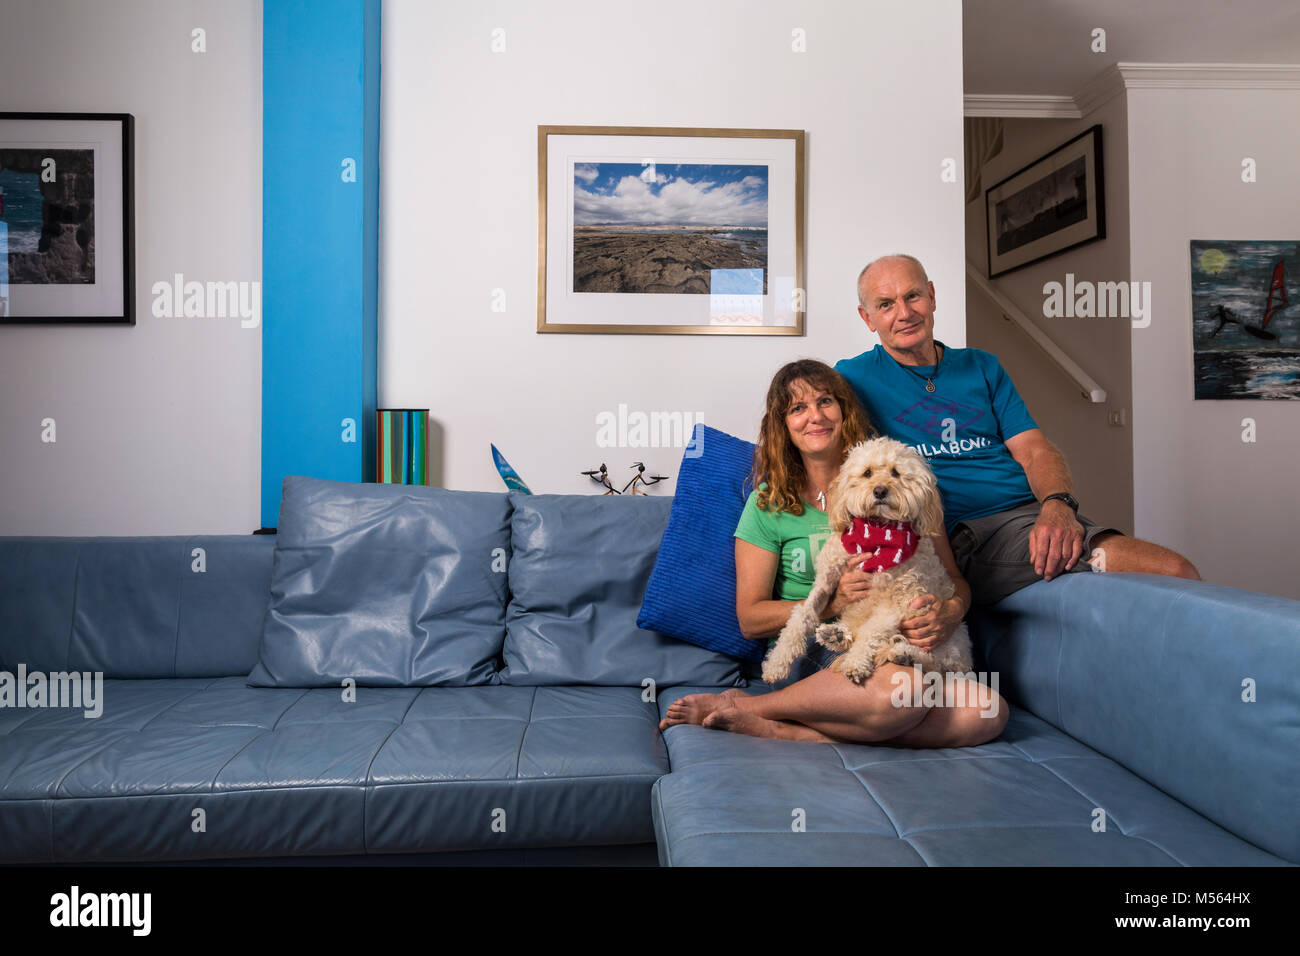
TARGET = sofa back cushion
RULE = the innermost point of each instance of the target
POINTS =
(389, 585)
(578, 572)
(134, 607)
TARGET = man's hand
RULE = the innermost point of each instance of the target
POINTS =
(855, 584)
(1056, 540)
(927, 631)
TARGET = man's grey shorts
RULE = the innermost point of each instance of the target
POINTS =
(992, 552)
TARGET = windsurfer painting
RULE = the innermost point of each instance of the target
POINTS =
(1276, 288)
(1246, 337)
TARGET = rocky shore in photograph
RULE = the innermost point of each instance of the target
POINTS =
(612, 260)
(66, 251)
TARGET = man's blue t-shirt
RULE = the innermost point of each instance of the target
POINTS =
(960, 428)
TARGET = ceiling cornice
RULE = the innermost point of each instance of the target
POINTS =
(1102, 88)
(1118, 77)
(1021, 105)
(1210, 76)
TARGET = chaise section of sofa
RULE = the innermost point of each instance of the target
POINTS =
(1155, 722)
(1030, 798)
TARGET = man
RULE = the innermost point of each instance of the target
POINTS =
(1008, 499)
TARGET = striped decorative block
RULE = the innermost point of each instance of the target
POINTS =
(401, 440)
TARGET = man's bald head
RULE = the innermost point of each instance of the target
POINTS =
(897, 303)
(862, 276)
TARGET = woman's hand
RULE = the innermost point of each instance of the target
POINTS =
(929, 630)
(855, 584)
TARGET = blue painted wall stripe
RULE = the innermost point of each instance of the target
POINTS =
(370, 238)
(320, 242)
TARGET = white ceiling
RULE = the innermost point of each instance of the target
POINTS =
(1044, 46)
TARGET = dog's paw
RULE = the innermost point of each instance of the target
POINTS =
(856, 671)
(897, 651)
(835, 637)
(773, 672)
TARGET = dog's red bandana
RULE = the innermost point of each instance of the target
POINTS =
(889, 542)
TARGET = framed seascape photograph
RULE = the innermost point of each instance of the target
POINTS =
(1053, 204)
(670, 231)
(67, 229)
(1245, 324)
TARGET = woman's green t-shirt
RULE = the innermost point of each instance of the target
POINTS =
(797, 539)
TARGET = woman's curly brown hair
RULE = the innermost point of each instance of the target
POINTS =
(776, 460)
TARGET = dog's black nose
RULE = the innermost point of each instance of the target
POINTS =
(879, 491)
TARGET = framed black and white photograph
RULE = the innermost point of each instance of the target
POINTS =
(1055, 203)
(66, 218)
(670, 231)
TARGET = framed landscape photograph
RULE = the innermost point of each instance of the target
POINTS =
(670, 231)
(66, 218)
(1053, 204)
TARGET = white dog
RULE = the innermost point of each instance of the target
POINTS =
(885, 500)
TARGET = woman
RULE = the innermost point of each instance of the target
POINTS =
(811, 421)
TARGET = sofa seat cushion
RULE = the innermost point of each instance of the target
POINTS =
(1027, 799)
(517, 766)
(291, 772)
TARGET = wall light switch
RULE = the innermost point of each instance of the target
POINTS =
(1117, 417)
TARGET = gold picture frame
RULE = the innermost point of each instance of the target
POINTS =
(598, 225)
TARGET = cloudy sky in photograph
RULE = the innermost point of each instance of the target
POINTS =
(679, 194)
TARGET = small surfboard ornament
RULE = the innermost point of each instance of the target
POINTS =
(508, 474)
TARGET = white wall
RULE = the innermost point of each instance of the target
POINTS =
(1100, 455)
(879, 92)
(1231, 507)
(158, 424)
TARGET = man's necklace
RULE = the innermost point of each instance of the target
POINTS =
(929, 379)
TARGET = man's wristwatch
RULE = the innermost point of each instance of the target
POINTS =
(1066, 497)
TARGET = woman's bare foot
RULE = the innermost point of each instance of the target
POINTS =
(694, 708)
(739, 721)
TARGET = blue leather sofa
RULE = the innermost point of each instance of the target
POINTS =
(1155, 722)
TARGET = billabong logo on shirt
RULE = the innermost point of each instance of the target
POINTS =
(955, 447)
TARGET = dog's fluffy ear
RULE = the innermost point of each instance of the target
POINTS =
(837, 514)
(930, 520)
(837, 508)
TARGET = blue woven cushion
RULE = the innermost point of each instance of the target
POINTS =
(692, 590)
(390, 585)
